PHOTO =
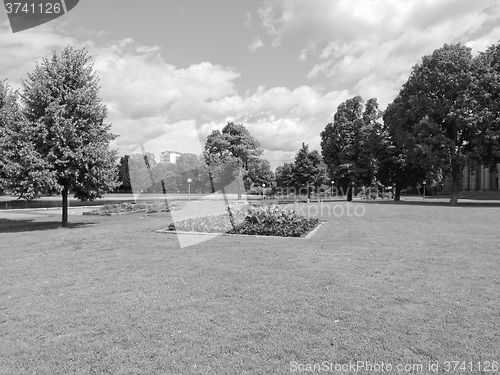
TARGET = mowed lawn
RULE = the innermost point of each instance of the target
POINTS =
(402, 284)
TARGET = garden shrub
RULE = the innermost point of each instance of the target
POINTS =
(274, 221)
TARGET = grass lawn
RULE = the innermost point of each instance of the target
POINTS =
(403, 284)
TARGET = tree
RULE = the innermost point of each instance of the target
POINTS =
(284, 176)
(487, 94)
(63, 144)
(259, 172)
(443, 117)
(398, 165)
(124, 174)
(307, 169)
(228, 154)
(10, 120)
(351, 143)
(141, 167)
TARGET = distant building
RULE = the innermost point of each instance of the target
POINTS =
(169, 156)
(476, 179)
(480, 179)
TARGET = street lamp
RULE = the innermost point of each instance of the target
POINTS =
(423, 193)
(189, 180)
(333, 183)
(263, 192)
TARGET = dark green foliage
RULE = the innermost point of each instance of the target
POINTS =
(229, 155)
(444, 116)
(124, 175)
(10, 121)
(307, 170)
(63, 143)
(284, 176)
(274, 221)
(351, 144)
(259, 172)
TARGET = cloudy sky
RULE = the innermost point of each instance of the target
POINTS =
(172, 71)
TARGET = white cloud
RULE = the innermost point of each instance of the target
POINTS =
(353, 43)
(21, 50)
(303, 55)
(256, 44)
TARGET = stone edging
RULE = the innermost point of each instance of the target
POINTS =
(308, 236)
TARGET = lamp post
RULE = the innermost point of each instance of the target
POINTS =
(333, 183)
(189, 180)
(423, 193)
(263, 192)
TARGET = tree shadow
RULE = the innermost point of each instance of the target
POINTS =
(434, 204)
(29, 225)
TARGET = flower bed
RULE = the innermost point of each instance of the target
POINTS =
(251, 220)
(123, 208)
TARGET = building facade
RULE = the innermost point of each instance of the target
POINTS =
(480, 179)
(169, 156)
(476, 179)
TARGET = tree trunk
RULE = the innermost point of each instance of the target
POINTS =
(239, 182)
(397, 195)
(226, 202)
(456, 183)
(211, 178)
(65, 208)
(349, 193)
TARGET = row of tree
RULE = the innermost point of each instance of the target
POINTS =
(445, 117)
(53, 139)
(231, 160)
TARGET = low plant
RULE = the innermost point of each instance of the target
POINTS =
(252, 220)
(126, 207)
(274, 221)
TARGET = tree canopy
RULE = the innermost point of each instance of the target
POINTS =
(63, 143)
(350, 144)
(442, 117)
(229, 153)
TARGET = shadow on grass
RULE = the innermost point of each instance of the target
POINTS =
(14, 226)
(431, 203)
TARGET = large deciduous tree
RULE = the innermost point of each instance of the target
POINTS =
(443, 114)
(63, 144)
(229, 153)
(284, 176)
(487, 94)
(350, 144)
(398, 165)
(259, 172)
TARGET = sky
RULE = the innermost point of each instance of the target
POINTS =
(173, 71)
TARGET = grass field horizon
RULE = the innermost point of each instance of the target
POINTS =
(403, 283)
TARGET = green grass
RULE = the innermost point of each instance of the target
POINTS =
(402, 284)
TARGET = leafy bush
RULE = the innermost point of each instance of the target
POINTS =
(274, 221)
(253, 220)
